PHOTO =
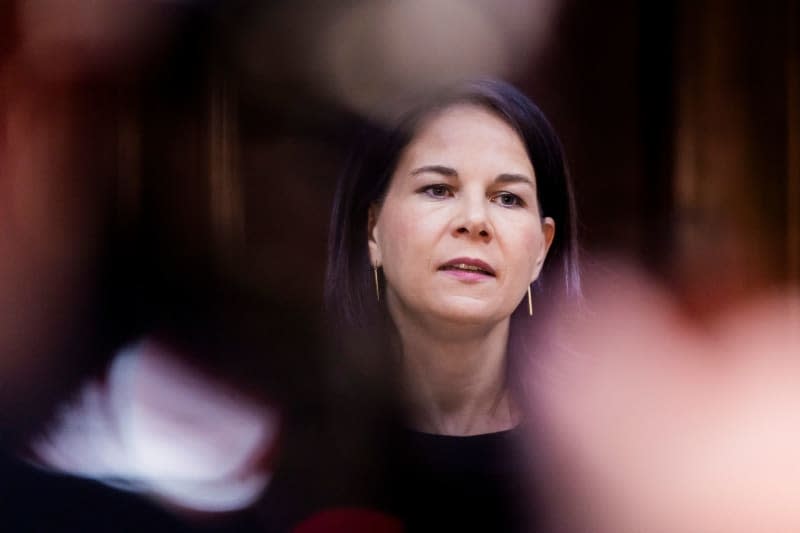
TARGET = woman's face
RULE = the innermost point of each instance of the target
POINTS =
(459, 234)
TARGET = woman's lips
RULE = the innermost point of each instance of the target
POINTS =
(466, 275)
(468, 269)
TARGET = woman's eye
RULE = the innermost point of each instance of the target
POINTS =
(507, 199)
(437, 191)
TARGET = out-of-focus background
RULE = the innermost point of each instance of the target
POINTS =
(167, 168)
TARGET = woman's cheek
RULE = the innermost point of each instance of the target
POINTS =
(524, 243)
(408, 236)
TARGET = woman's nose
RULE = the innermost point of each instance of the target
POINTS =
(473, 219)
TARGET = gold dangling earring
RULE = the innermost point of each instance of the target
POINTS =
(377, 285)
(530, 302)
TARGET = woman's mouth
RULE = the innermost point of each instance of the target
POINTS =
(468, 269)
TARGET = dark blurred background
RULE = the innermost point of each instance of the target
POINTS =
(168, 166)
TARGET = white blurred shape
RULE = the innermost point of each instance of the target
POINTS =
(159, 426)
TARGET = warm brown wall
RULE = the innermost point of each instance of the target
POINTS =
(736, 197)
(680, 122)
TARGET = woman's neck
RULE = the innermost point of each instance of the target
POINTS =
(455, 384)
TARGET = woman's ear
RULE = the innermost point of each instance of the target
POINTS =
(373, 236)
(549, 233)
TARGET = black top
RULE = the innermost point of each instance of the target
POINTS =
(452, 483)
(423, 481)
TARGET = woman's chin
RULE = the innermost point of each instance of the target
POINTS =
(473, 313)
(456, 313)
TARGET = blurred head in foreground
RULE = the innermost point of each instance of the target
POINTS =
(445, 221)
(657, 421)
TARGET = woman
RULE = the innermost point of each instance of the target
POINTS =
(451, 234)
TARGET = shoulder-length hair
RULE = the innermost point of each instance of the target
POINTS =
(350, 292)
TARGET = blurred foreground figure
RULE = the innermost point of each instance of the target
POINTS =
(660, 423)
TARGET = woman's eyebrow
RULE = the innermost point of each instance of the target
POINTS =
(452, 173)
(514, 178)
(438, 169)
